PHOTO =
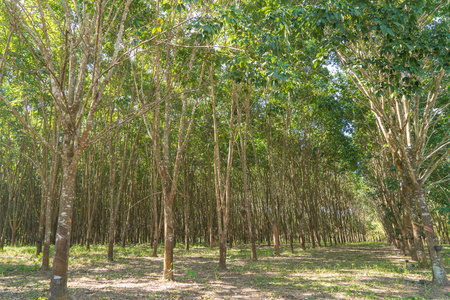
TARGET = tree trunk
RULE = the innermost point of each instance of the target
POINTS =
(417, 241)
(90, 225)
(437, 264)
(168, 237)
(41, 231)
(410, 233)
(58, 284)
(276, 239)
(247, 200)
(211, 236)
(187, 197)
(222, 250)
(112, 198)
(92, 210)
(49, 211)
(186, 223)
(222, 183)
(156, 237)
(291, 241)
(303, 241)
(2, 234)
(13, 236)
(156, 223)
(125, 225)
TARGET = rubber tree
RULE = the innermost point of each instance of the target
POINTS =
(174, 103)
(222, 180)
(68, 44)
(396, 54)
(243, 133)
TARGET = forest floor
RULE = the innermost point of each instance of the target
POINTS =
(351, 271)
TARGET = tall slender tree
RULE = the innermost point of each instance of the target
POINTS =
(69, 44)
(396, 56)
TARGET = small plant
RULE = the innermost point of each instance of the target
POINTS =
(190, 273)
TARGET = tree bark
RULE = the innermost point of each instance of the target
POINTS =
(157, 224)
(126, 224)
(168, 237)
(247, 201)
(437, 264)
(49, 211)
(222, 184)
(276, 238)
(187, 197)
(58, 284)
(112, 198)
(41, 230)
(412, 221)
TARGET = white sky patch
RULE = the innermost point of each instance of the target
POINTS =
(333, 69)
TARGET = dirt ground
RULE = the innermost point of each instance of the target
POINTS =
(355, 271)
